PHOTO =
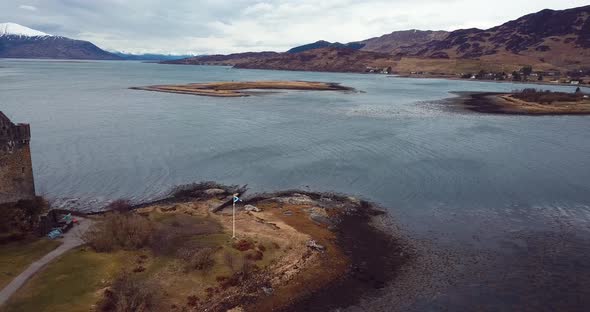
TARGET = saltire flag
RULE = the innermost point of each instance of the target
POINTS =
(236, 199)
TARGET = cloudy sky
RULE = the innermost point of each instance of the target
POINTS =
(227, 26)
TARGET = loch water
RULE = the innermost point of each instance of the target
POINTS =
(517, 187)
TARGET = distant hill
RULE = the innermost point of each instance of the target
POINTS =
(402, 41)
(325, 44)
(229, 60)
(331, 59)
(321, 59)
(17, 41)
(560, 38)
(150, 56)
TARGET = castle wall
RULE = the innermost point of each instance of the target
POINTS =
(16, 170)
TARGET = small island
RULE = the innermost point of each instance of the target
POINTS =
(243, 88)
(528, 102)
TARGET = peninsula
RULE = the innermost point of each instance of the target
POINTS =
(243, 88)
(528, 102)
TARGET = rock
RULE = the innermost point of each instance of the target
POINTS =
(252, 208)
(319, 215)
(319, 218)
(268, 290)
(354, 200)
(315, 246)
(296, 199)
(214, 191)
(288, 213)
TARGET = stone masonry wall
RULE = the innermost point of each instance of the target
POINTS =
(16, 170)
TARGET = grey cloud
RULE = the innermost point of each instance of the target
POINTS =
(225, 26)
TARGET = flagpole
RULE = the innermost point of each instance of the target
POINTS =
(234, 199)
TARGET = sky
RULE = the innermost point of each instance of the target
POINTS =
(230, 26)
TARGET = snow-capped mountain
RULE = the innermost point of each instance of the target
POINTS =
(17, 41)
(13, 29)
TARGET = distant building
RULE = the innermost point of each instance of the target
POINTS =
(16, 170)
(549, 73)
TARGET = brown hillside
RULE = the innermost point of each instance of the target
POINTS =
(546, 40)
(560, 38)
(326, 59)
(402, 41)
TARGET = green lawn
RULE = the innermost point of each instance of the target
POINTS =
(76, 281)
(16, 257)
(71, 283)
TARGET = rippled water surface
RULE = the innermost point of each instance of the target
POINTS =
(462, 179)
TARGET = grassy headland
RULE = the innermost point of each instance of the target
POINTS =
(295, 251)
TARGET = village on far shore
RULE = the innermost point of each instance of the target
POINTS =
(527, 74)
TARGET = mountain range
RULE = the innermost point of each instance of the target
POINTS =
(17, 41)
(549, 39)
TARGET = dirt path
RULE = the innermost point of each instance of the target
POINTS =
(71, 239)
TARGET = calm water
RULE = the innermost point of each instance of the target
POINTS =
(461, 179)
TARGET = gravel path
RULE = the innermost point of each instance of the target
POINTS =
(71, 239)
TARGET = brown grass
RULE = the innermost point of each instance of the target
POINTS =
(129, 293)
(198, 259)
(119, 231)
(243, 245)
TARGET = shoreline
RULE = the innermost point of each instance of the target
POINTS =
(490, 81)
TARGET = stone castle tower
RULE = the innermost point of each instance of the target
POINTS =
(16, 170)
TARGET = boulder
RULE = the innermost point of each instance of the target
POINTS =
(252, 208)
(297, 199)
(319, 218)
(354, 200)
(214, 191)
(312, 244)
